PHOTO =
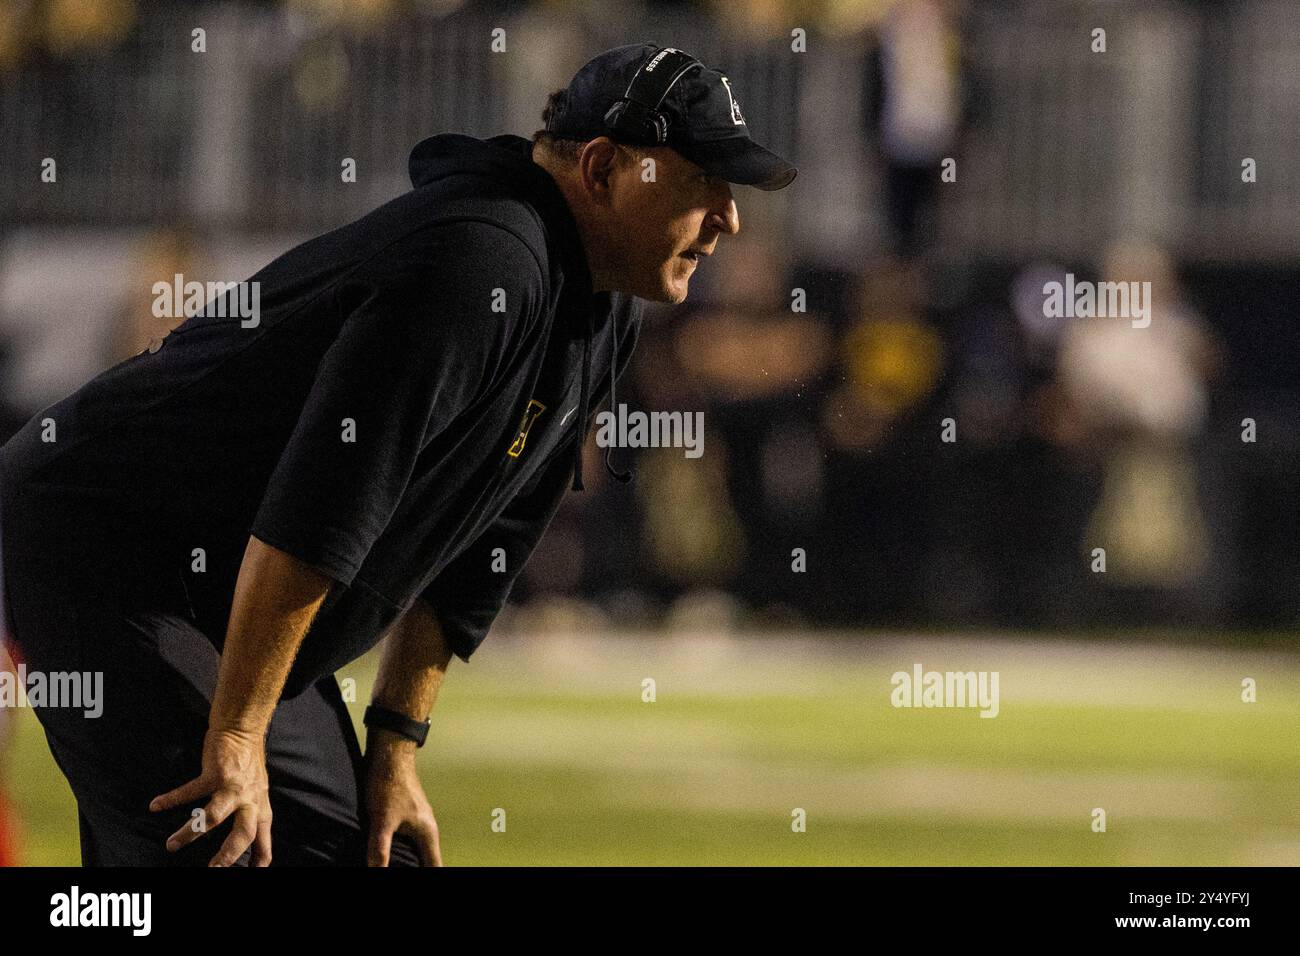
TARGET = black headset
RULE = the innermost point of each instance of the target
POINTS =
(636, 116)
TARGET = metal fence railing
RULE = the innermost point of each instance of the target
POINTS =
(116, 122)
(1044, 154)
(1064, 149)
(1071, 149)
(1249, 108)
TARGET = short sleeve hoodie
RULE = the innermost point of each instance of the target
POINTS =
(406, 414)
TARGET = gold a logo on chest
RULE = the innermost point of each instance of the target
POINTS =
(531, 413)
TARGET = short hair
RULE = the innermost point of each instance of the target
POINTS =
(563, 148)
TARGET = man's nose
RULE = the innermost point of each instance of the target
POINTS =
(726, 218)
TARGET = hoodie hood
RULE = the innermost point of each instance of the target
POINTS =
(504, 158)
(508, 161)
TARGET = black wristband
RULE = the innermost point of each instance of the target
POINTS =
(385, 719)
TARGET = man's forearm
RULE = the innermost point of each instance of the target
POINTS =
(276, 598)
(414, 662)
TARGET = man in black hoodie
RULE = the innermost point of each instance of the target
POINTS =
(221, 522)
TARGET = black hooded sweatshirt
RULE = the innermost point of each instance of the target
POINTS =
(406, 416)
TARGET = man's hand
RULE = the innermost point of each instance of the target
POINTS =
(276, 597)
(234, 776)
(410, 672)
(396, 802)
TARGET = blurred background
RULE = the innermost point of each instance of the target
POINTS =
(826, 345)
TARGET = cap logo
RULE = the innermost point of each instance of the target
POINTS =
(736, 118)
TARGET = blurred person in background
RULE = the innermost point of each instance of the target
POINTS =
(1141, 395)
(752, 358)
(165, 252)
(914, 103)
(1057, 472)
(888, 363)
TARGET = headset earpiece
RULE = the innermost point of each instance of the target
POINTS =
(637, 115)
(635, 121)
(614, 118)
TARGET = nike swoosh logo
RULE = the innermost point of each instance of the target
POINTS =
(567, 414)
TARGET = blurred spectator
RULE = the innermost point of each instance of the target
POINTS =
(162, 256)
(914, 111)
(1141, 393)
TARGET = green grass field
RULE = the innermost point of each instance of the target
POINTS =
(743, 731)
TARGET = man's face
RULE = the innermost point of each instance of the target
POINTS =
(664, 226)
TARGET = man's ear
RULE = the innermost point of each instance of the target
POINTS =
(596, 166)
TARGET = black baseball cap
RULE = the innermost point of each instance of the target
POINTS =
(698, 116)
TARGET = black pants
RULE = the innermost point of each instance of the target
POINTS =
(159, 672)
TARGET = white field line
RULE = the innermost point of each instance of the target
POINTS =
(691, 762)
(939, 792)
(703, 768)
(706, 769)
(1056, 671)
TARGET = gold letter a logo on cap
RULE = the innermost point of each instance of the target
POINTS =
(736, 118)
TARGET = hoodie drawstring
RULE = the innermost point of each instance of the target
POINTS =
(584, 400)
(623, 476)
